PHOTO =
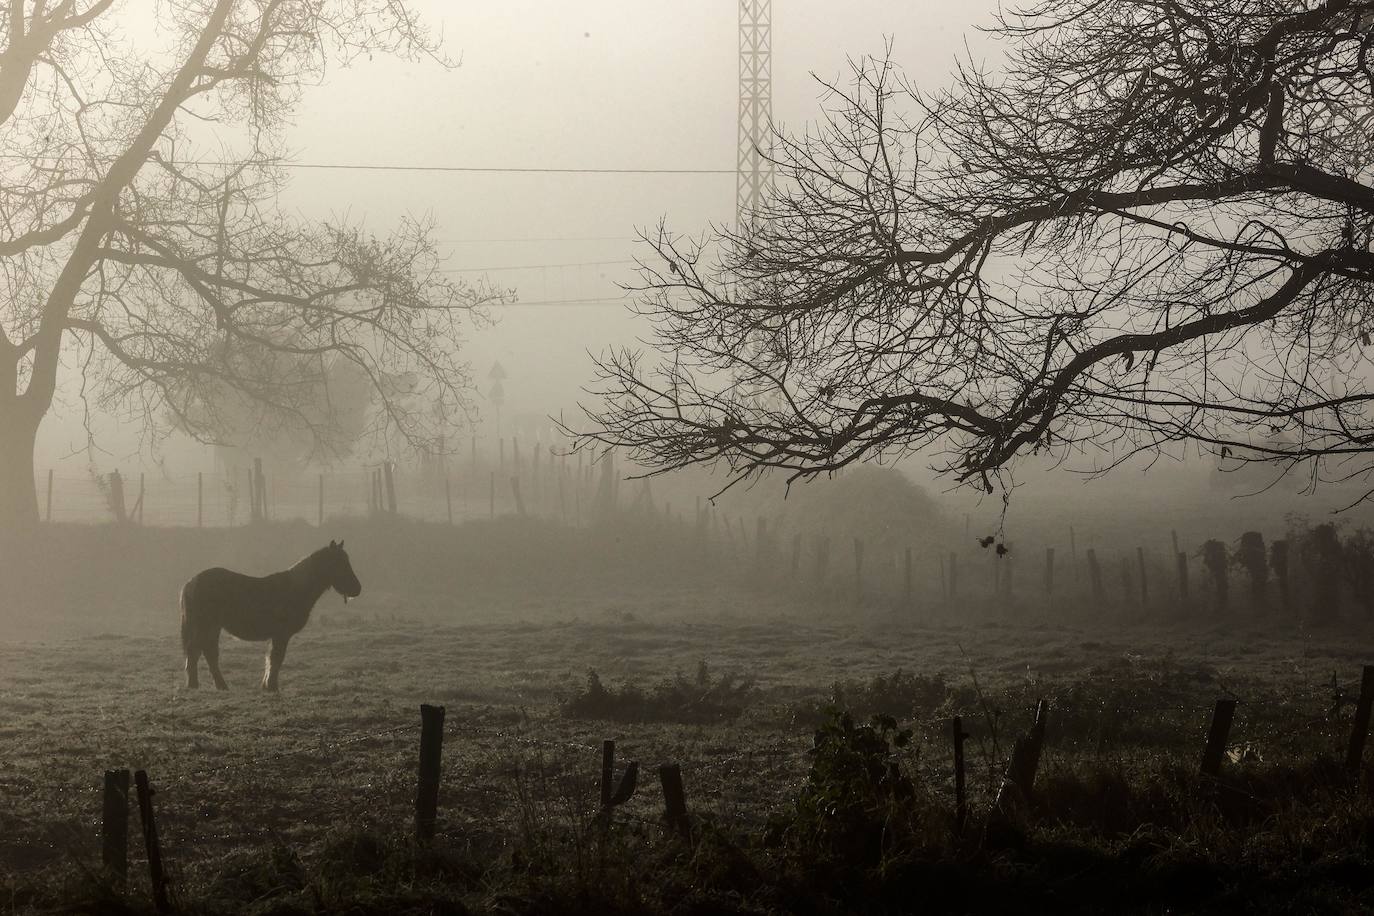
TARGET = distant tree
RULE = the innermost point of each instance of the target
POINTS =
(1150, 226)
(141, 242)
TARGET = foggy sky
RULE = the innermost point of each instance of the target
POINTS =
(604, 84)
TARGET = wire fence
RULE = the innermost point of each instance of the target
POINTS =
(526, 780)
(553, 487)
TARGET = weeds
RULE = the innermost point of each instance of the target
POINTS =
(676, 699)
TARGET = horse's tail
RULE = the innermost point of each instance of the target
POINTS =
(186, 616)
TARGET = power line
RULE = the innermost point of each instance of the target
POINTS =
(394, 167)
(599, 300)
(470, 270)
(552, 238)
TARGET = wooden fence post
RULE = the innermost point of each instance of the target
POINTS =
(607, 771)
(960, 797)
(1025, 760)
(674, 799)
(150, 842)
(1216, 736)
(117, 496)
(389, 475)
(48, 515)
(140, 497)
(515, 491)
(114, 824)
(1359, 730)
(1278, 559)
(431, 753)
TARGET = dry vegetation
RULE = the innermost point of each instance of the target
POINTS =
(303, 802)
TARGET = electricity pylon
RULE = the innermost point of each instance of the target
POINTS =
(755, 105)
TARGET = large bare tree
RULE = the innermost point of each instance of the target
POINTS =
(1149, 225)
(141, 246)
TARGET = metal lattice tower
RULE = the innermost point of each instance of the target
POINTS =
(755, 105)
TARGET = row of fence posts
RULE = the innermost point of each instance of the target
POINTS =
(1012, 796)
(1135, 575)
(115, 804)
(382, 491)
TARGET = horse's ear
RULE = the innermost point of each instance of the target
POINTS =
(332, 544)
(341, 545)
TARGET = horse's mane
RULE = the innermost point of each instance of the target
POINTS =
(308, 561)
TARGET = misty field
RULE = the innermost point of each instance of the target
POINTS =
(303, 801)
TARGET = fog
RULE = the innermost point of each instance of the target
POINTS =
(734, 686)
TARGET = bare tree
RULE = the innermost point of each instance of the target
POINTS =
(165, 274)
(1149, 226)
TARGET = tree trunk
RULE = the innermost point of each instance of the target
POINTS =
(18, 491)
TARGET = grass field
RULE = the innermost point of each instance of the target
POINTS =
(303, 801)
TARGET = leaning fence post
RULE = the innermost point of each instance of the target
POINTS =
(114, 824)
(607, 771)
(431, 752)
(1025, 760)
(1216, 737)
(150, 842)
(1360, 729)
(960, 798)
(674, 799)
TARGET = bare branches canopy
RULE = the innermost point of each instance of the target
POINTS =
(1150, 224)
(141, 241)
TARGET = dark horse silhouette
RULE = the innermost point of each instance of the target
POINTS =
(273, 607)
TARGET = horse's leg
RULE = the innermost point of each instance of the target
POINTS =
(275, 656)
(191, 651)
(210, 646)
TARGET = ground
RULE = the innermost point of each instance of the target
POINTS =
(335, 753)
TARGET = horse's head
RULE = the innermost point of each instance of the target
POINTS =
(341, 576)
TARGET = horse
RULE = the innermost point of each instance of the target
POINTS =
(274, 607)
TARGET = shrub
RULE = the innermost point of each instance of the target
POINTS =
(857, 805)
(900, 693)
(675, 699)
